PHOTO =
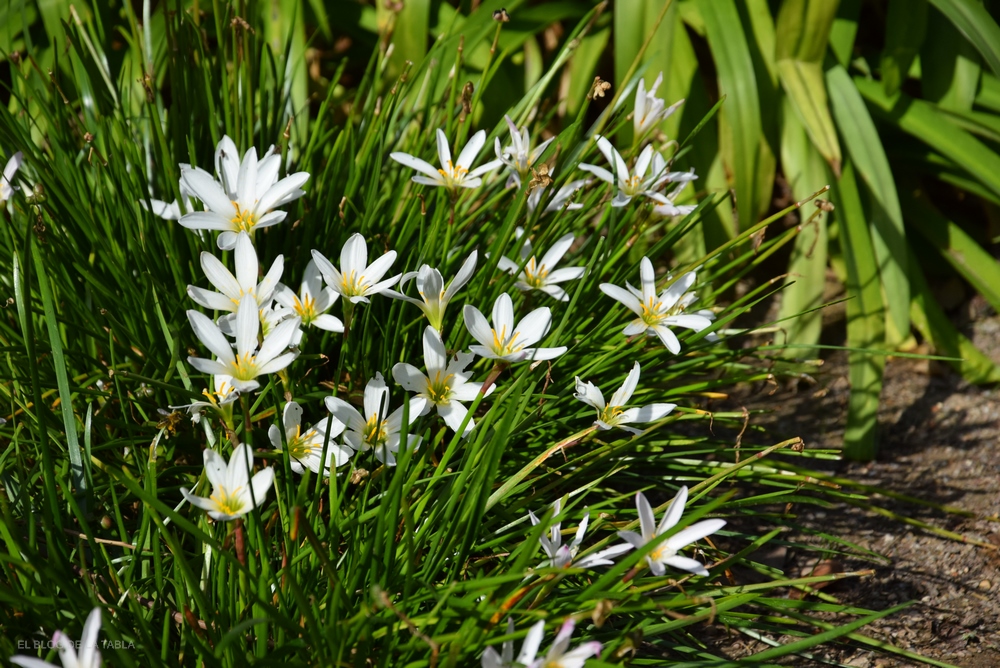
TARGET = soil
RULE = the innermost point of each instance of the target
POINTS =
(939, 441)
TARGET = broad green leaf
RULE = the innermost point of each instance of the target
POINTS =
(922, 120)
(844, 31)
(950, 68)
(976, 24)
(805, 171)
(803, 82)
(410, 29)
(865, 319)
(737, 81)
(968, 258)
(804, 26)
(906, 26)
(633, 21)
(757, 15)
(888, 234)
(933, 324)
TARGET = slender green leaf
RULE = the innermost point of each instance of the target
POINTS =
(950, 68)
(973, 21)
(906, 26)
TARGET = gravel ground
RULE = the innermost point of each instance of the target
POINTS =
(940, 441)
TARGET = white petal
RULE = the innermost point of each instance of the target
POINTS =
(646, 519)
(695, 532)
(353, 256)
(205, 220)
(215, 467)
(444, 152)
(412, 162)
(462, 277)
(589, 394)
(622, 295)
(686, 564)
(247, 326)
(532, 326)
(624, 393)
(201, 184)
(477, 325)
(208, 333)
(668, 338)
(454, 414)
(599, 172)
(471, 150)
(673, 513)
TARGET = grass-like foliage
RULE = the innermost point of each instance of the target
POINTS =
(162, 378)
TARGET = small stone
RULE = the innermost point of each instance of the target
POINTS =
(985, 585)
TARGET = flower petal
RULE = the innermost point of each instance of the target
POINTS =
(622, 295)
(412, 162)
(624, 393)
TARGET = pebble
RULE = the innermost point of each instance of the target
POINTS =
(985, 585)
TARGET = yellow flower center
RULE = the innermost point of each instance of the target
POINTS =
(298, 446)
(439, 389)
(376, 433)
(631, 185)
(535, 276)
(244, 220)
(306, 308)
(353, 285)
(230, 504)
(610, 414)
(501, 346)
(245, 367)
(652, 313)
(219, 395)
(453, 175)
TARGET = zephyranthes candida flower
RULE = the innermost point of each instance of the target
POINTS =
(89, 656)
(542, 274)
(564, 556)
(7, 186)
(650, 110)
(641, 181)
(312, 301)
(519, 156)
(434, 296)
(231, 289)
(657, 313)
(234, 493)
(614, 413)
(451, 175)
(505, 341)
(665, 554)
(356, 280)
(305, 448)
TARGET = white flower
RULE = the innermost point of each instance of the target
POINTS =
(558, 657)
(171, 210)
(519, 156)
(614, 414)
(223, 394)
(231, 289)
(506, 342)
(666, 207)
(649, 109)
(542, 275)
(656, 314)
(434, 297)
(305, 450)
(234, 493)
(562, 556)
(559, 200)
(376, 428)
(88, 657)
(7, 186)
(312, 302)
(446, 383)
(505, 659)
(245, 199)
(450, 176)
(248, 363)
(356, 280)
(665, 553)
(638, 183)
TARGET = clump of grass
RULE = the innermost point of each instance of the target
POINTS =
(376, 538)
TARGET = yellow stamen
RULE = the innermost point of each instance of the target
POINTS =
(227, 503)
(243, 221)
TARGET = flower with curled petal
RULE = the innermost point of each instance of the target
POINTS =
(641, 181)
(519, 156)
(665, 554)
(564, 556)
(234, 493)
(248, 363)
(650, 110)
(305, 449)
(560, 656)
(377, 429)
(560, 201)
(246, 195)
(7, 186)
(446, 383)
(451, 175)
(312, 301)
(88, 657)
(657, 313)
(505, 341)
(231, 289)
(505, 658)
(542, 274)
(434, 296)
(614, 413)
(356, 280)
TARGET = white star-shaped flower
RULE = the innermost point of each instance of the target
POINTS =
(665, 553)
(638, 182)
(657, 313)
(89, 655)
(434, 297)
(377, 429)
(649, 109)
(7, 186)
(614, 413)
(446, 383)
(563, 556)
(312, 302)
(519, 156)
(305, 449)
(234, 493)
(504, 340)
(245, 197)
(505, 658)
(356, 280)
(248, 363)
(223, 394)
(542, 274)
(560, 199)
(231, 289)
(450, 176)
